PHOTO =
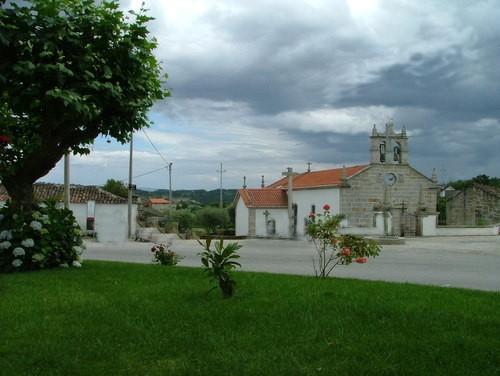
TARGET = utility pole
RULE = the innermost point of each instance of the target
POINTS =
(221, 200)
(289, 174)
(66, 180)
(130, 187)
(170, 188)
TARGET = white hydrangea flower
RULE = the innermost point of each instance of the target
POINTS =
(42, 205)
(28, 243)
(45, 218)
(77, 264)
(64, 265)
(35, 225)
(5, 244)
(17, 263)
(18, 251)
(78, 250)
(6, 235)
(36, 214)
(38, 257)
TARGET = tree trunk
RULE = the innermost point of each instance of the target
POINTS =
(21, 194)
(227, 288)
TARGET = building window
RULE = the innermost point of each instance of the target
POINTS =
(397, 152)
(382, 152)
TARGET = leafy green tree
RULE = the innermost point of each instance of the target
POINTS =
(184, 218)
(480, 179)
(116, 187)
(212, 219)
(70, 70)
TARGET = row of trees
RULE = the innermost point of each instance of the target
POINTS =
(212, 219)
(480, 179)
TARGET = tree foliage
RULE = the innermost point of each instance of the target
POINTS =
(70, 70)
(116, 187)
(213, 219)
(480, 179)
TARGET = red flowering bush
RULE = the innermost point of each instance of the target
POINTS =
(4, 139)
(334, 249)
(163, 255)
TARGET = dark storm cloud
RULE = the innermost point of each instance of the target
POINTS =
(321, 73)
(439, 82)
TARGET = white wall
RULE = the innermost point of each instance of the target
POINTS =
(430, 228)
(111, 220)
(465, 231)
(307, 197)
(241, 219)
(280, 216)
(429, 224)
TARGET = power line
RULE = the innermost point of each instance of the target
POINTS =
(146, 173)
(154, 147)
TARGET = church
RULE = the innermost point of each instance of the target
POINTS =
(385, 197)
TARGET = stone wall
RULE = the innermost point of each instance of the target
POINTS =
(476, 205)
(365, 194)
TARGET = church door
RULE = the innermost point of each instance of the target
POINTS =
(409, 225)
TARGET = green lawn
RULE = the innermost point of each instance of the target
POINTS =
(127, 319)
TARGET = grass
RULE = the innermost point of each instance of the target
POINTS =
(127, 319)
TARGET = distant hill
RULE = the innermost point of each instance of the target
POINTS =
(201, 195)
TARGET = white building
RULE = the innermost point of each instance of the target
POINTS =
(93, 208)
(311, 191)
(384, 197)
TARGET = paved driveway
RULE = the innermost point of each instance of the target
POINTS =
(470, 262)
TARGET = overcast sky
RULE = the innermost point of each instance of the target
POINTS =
(263, 85)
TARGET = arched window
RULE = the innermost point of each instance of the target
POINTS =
(397, 152)
(382, 152)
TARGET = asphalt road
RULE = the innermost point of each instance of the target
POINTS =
(470, 262)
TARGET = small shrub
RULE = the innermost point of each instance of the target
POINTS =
(163, 255)
(184, 218)
(334, 249)
(219, 262)
(47, 237)
(213, 219)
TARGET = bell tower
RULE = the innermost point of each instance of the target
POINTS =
(388, 147)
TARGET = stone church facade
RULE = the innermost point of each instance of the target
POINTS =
(385, 197)
(389, 184)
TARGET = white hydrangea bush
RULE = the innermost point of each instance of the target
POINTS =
(47, 237)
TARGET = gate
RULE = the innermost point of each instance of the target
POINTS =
(409, 225)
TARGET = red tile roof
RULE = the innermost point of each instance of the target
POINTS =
(79, 194)
(317, 179)
(264, 198)
(157, 201)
